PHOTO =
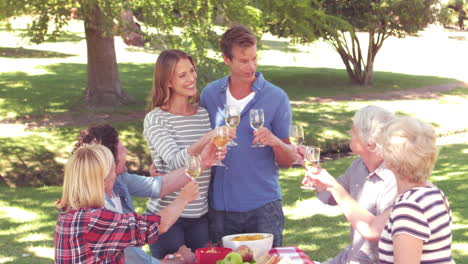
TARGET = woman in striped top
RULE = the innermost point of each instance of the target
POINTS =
(417, 229)
(174, 128)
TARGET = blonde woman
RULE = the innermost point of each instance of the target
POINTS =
(417, 229)
(86, 232)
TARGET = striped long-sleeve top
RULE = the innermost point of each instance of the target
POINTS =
(168, 136)
(423, 213)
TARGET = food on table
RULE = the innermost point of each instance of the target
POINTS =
(211, 250)
(248, 237)
(245, 252)
(269, 259)
(231, 258)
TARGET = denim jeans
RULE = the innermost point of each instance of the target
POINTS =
(266, 219)
(192, 232)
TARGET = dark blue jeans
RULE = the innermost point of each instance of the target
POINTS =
(192, 232)
(266, 219)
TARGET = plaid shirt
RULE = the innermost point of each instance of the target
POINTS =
(100, 236)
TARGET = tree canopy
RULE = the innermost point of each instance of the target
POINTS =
(187, 25)
(339, 21)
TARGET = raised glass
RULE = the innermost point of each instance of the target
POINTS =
(257, 120)
(296, 136)
(193, 166)
(311, 162)
(232, 118)
(220, 140)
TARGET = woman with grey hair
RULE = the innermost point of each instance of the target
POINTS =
(417, 229)
(367, 180)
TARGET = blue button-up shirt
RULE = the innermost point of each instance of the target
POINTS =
(250, 178)
(125, 186)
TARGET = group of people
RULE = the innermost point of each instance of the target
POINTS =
(396, 215)
(384, 194)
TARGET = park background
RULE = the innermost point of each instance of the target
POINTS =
(42, 111)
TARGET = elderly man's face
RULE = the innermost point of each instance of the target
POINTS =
(356, 145)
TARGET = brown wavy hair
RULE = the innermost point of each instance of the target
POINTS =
(105, 135)
(163, 72)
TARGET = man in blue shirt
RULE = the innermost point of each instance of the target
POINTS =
(246, 195)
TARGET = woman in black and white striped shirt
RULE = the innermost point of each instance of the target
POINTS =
(418, 228)
(174, 128)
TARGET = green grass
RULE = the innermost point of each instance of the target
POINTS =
(304, 84)
(30, 53)
(27, 215)
(36, 157)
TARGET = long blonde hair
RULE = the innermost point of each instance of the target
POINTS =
(163, 72)
(85, 171)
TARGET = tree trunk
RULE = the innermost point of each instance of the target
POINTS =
(103, 87)
(368, 75)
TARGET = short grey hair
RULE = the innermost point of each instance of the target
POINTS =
(369, 121)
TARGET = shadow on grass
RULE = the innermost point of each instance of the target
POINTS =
(73, 37)
(38, 221)
(303, 83)
(325, 125)
(320, 236)
(37, 158)
(61, 88)
(31, 53)
(26, 162)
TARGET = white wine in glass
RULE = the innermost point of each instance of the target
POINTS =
(193, 166)
(311, 162)
(232, 118)
(257, 119)
(220, 140)
(296, 136)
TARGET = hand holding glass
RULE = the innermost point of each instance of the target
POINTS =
(193, 166)
(311, 162)
(232, 119)
(220, 140)
(256, 121)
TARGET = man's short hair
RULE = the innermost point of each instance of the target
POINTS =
(236, 36)
(369, 121)
(409, 148)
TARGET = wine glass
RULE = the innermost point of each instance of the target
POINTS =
(296, 136)
(311, 162)
(193, 166)
(256, 121)
(220, 140)
(232, 118)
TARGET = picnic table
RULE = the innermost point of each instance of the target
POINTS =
(296, 254)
